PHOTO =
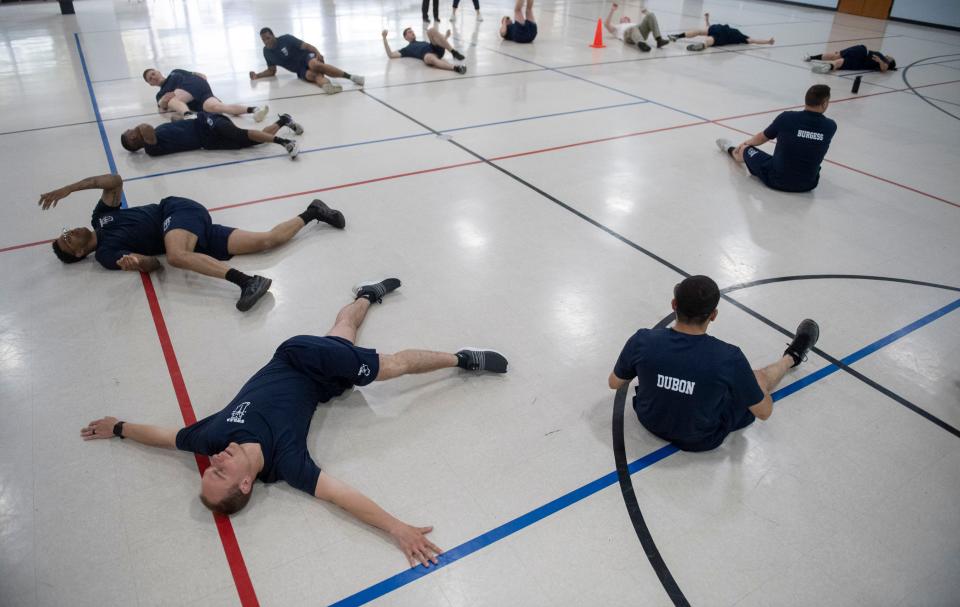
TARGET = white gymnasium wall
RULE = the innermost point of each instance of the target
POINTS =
(938, 12)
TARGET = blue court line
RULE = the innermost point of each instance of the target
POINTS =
(96, 113)
(509, 528)
(373, 141)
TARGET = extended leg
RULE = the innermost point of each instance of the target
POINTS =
(529, 13)
(434, 61)
(215, 106)
(770, 376)
(349, 320)
(760, 40)
(409, 362)
(180, 245)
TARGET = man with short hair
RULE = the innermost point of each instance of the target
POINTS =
(430, 52)
(694, 389)
(183, 92)
(857, 57)
(523, 27)
(301, 58)
(717, 35)
(262, 433)
(206, 132)
(130, 239)
(803, 139)
(636, 33)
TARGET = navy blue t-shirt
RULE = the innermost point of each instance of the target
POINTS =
(132, 230)
(172, 137)
(275, 407)
(287, 53)
(418, 50)
(179, 79)
(803, 139)
(693, 389)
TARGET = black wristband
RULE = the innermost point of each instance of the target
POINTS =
(118, 429)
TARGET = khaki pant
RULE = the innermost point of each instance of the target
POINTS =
(639, 32)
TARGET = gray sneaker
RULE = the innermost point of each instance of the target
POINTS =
(331, 88)
(293, 149)
(374, 291)
(725, 144)
(357, 79)
(260, 113)
(821, 68)
(696, 46)
(477, 359)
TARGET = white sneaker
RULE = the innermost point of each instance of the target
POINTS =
(331, 88)
(696, 46)
(357, 79)
(453, 17)
(479, 16)
(725, 144)
(821, 68)
(260, 113)
(293, 149)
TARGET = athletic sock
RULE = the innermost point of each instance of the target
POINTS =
(281, 140)
(251, 109)
(346, 75)
(309, 215)
(816, 57)
(730, 151)
(238, 278)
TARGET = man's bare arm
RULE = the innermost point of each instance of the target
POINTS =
(148, 133)
(135, 262)
(386, 46)
(411, 540)
(154, 436)
(615, 382)
(112, 186)
(267, 73)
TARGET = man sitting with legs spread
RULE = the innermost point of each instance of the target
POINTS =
(206, 132)
(262, 433)
(856, 57)
(636, 33)
(694, 389)
(523, 27)
(717, 35)
(130, 239)
(430, 53)
(803, 139)
(302, 59)
(184, 92)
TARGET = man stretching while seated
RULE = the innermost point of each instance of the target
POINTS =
(206, 132)
(717, 35)
(130, 239)
(430, 53)
(636, 33)
(694, 389)
(262, 433)
(301, 58)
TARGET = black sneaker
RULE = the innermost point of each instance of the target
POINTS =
(643, 46)
(673, 37)
(460, 69)
(287, 121)
(457, 55)
(662, 43)
(807, 335)
(475, 359)
(328, 215)
(252, 292)
(374, 291)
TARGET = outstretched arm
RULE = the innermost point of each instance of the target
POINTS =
(386, 46)
(411, 540)
(135, 262)
(112, 186)
(154, 436)
(609, 22)
(884, 66)
(267, 73)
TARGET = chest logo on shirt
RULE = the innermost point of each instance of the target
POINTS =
(210, 121)
(285, 51)
(364, 371)
(237, 415)
(677, 385)
(166, 223)
(105, 220)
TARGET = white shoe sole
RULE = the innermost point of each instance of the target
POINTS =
(261, 113)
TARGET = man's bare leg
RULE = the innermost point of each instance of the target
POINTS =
(760, 40)
(215, 106)
(177, 106)
(518, 12)
(242, 242)
(409, 362)
(349, 320)
(529, 12)
(434, 61)
(180, 245)
(770, 376)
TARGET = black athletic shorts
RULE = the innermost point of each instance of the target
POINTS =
(217, 132)
(185, 214)
(724, 34)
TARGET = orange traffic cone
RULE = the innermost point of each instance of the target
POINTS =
(598, 36)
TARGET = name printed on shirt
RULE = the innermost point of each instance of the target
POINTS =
(105, 220)
(810, 135)
(677, 385)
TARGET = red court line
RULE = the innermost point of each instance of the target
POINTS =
(228, 538)
(25, 245)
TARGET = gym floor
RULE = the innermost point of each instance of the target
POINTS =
(544, 205)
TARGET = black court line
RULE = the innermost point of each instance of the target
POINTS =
(667, 580)
(914, 91)
(770, 323)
